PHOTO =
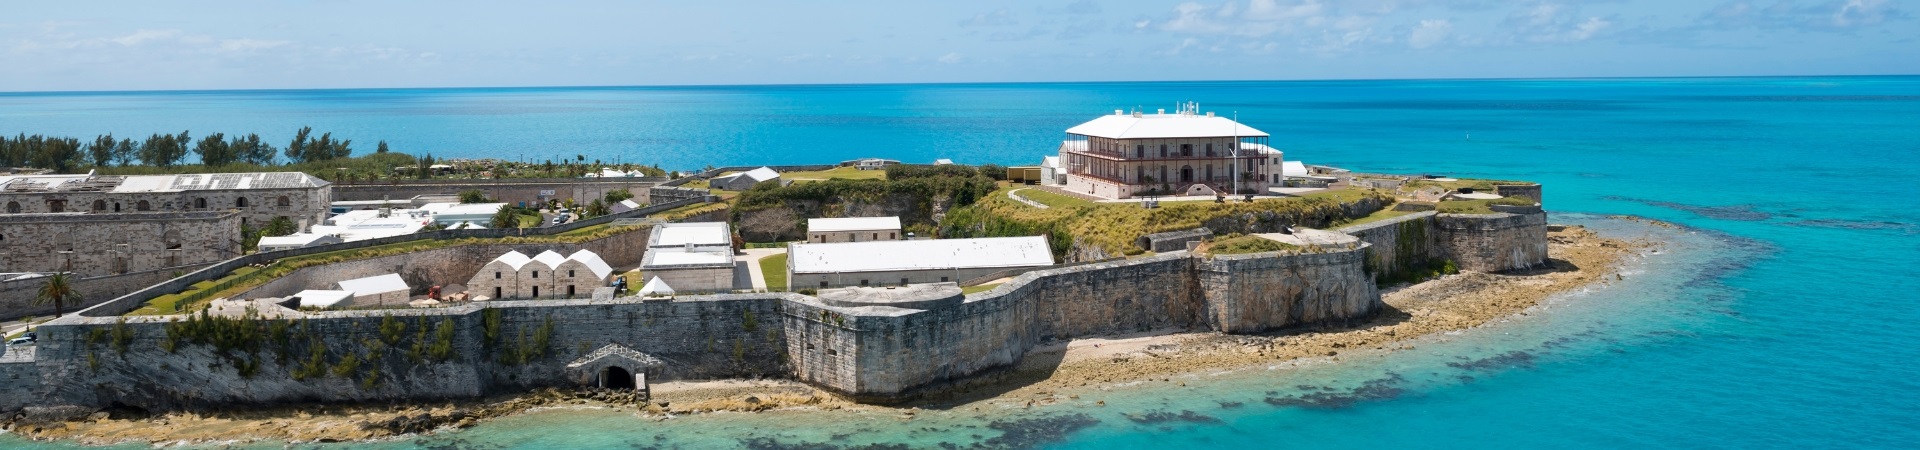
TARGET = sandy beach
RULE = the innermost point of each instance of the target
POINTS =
(1047, 374)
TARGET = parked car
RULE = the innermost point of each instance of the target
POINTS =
(23, 340)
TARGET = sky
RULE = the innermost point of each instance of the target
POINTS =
(265, 44)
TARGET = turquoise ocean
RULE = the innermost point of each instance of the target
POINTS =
(1781, 314)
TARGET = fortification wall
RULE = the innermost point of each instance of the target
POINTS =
(510, 190)
(108, 243)
(1493, 242)
(83, 363)
(1531, 191)
(1398, 246)
(1264, 291)
(16, 296)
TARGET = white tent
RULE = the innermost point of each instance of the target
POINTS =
(656, 288)
(317, 298)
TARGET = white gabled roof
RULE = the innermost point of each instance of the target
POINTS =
(656, 287)
(762, 174)
(942, 162)
(1051, 161)
(1158, 126)
(834, 224)
(514, 259)
(551, 258)
(593, 262)
(320, 298)
(876, 256)
(375, 284)
(1293, 169)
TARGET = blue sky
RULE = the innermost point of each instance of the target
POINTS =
(139, 45)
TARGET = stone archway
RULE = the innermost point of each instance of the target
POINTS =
(616, 377)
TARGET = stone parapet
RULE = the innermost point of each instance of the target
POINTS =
(1493, 242)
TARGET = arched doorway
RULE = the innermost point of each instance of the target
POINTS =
(618, 378)
(1186, 174)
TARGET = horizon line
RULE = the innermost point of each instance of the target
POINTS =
(942, 83)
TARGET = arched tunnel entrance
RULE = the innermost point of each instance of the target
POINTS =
(618, 378)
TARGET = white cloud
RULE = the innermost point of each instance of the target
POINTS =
(1431, 32)
(142, 36)
(998, 17)
(949, 58)
(247, 45)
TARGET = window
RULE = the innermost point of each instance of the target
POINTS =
(1209, 149)
(830, 352)
(13, 207)
(240, 202)
(569, 273)
(99, 205)
(893, 235)
(200, 202)
(496, 275)
(1163, 150)
(943, 279)
(1141, 150)
(143, 206)
(282, 201)
(1186, 149)
(56, 205)
(876, 236)
(903, 282)
(809, 346)
(823, 284)
(863, 282)
(116, 206)
(536, 273)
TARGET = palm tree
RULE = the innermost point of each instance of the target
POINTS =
(58, 291)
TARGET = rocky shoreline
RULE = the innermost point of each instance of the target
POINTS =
(1048, 374)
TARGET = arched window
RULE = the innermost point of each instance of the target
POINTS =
(99, 205)
(240, 202)
(282, 201)
(1186, 174)
(143, 206)
(200, 202)
(13, 207)
(116, 206)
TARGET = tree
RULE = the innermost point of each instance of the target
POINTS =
(596, 209)
(214, 150)
(124, 153)
(163, 150)
(617, 195)
(505, 218)
(297, 150)
(279, 226)
(59, 154)
(473, 196)
(100, 152)
(59, 292)
(381, 148)
(252, 149)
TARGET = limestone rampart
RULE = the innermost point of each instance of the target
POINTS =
(16, 296)
(1264, 291)
(1493, 242)
(1397, 246)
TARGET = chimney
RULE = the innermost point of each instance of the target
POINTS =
(1162, 111)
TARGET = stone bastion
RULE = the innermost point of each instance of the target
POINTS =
(871, 347)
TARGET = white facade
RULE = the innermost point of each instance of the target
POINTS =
(853, 229)
(811, 265)
(1123, 155)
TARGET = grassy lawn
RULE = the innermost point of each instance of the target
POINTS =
(1054, 199)
(529, 220)
(1244, 244)
(1476, 184)
(171, 303)
(845, 173)
(635, 280)
(1479, 206)
(979, 288)
(690, 210)
(1383, 214)
(774, 269)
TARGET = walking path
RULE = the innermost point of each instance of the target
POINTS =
(752, 258)
(1015, 195)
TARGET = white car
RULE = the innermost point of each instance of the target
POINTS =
(20, 341)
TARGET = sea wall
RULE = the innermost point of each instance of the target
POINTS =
(1493, 242)
(460, 352)
(1264, 291)
(1399, 246)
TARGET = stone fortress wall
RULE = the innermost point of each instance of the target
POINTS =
(872, 353)
(508, 190)
(114, 243)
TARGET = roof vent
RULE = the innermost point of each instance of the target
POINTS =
(1162, 111)
(1209, 113)
(1118, 112)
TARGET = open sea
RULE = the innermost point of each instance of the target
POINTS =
(1782, 314)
